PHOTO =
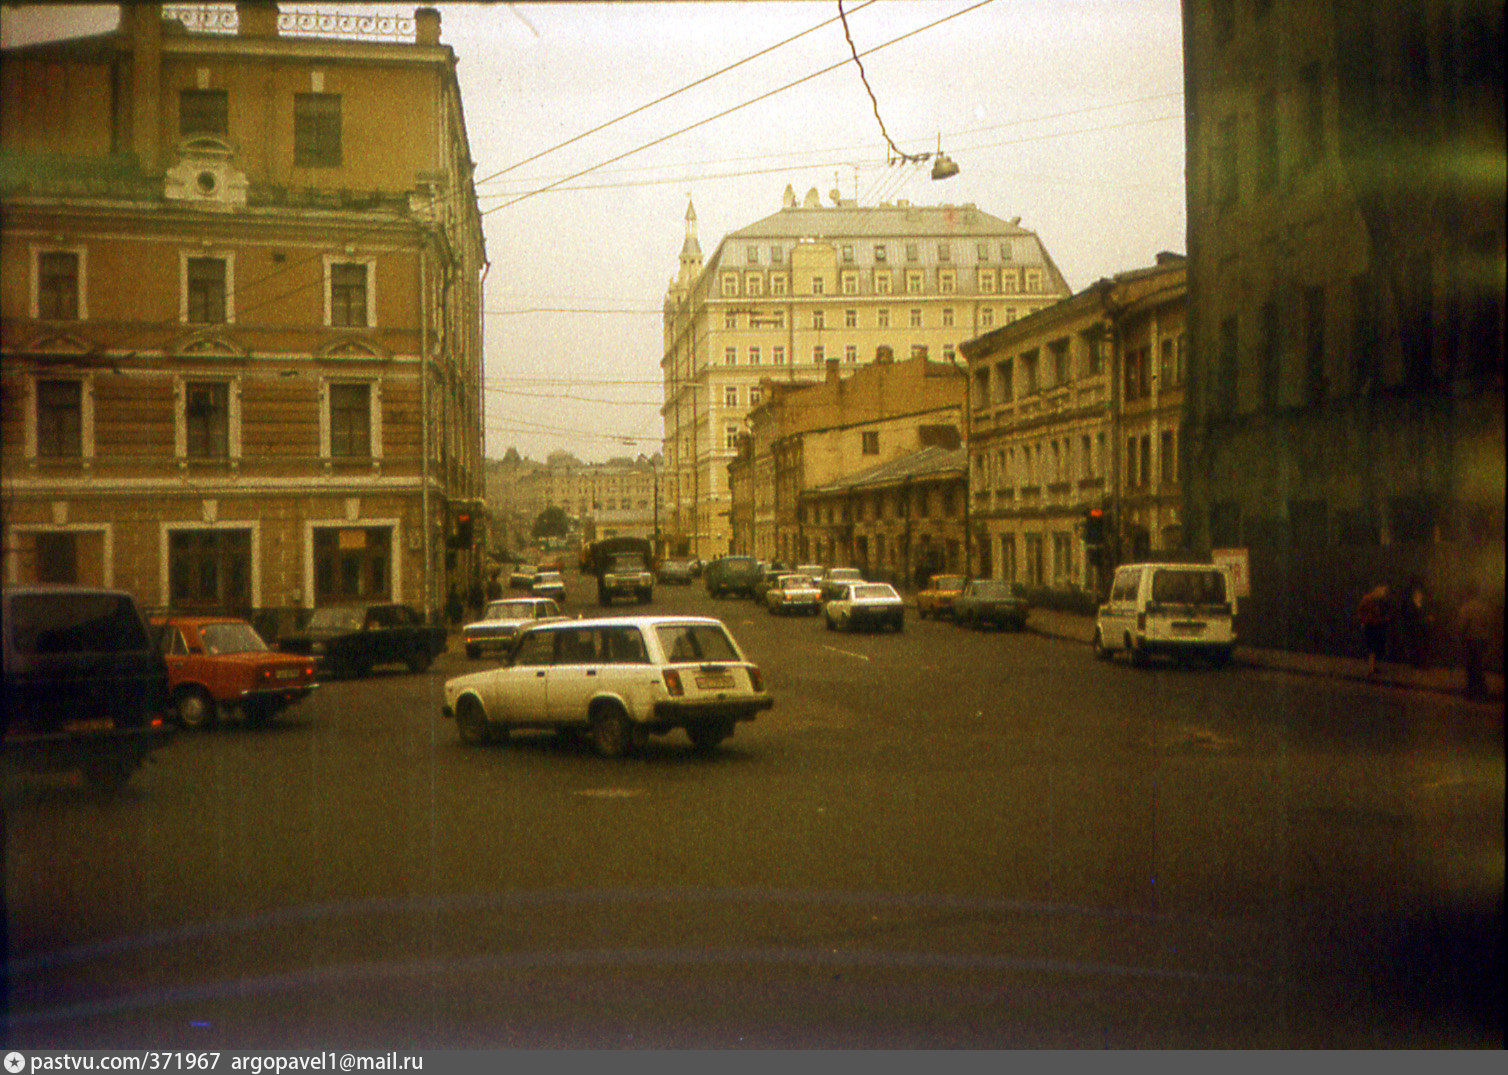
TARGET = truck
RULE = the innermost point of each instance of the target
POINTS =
(624, 567)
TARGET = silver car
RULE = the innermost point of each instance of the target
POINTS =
(501, 622)
(865, 605)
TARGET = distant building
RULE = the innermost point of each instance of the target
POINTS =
(814, 284)
(1346, 193)
(805, 441)
(613, 499)
(1074, 410)
(241, 295)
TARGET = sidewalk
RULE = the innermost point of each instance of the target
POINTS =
(1075, 628)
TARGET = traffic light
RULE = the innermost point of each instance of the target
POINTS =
(1094, 526)
(463, 534)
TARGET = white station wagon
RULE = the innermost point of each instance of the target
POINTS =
(620, 680)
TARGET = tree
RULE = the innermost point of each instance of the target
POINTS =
(552, 522)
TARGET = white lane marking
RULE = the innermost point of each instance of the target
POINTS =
(846, 653)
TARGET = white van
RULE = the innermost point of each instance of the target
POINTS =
(1180, 610)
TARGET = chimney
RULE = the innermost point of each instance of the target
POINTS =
(426, 26)
(144, 30)
(257, 18)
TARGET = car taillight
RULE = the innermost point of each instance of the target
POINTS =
(755, 679)
(673, 683)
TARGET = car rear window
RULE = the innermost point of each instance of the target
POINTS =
(684, 643)
(873, 590)
(45, 624)
(1174, 587)
(231, 638)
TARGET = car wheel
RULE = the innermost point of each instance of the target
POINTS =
(259, 716)
(107, 776)
(471, 722)
(1098, 644)
(420, 660)
(612, 734)
(1138, 655)
(708, 737)
(195, 710)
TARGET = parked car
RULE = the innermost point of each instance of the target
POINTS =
(835, 579)
(84, 687)
(522, 576)
(937, 599)
(351, 639)
(220, 665)
(991, 601)
(865, 605)
(731, 575)
(794, 593)
(502, 620)
(618, 680)
(768, 577)
(549, 584)
(1178, 610)
(676, 571)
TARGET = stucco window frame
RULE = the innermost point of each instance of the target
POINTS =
(229, 257)
(181, 382)
(86, 416)
(35, 270)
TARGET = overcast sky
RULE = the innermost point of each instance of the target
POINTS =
(1066, 113)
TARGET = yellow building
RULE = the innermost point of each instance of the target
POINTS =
(241, 283)
(1073, 410)
(780, 299)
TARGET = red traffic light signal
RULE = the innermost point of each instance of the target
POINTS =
(1094, 526)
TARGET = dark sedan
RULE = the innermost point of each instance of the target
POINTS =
(988, 601)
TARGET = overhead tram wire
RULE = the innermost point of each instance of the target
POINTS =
(735, 108)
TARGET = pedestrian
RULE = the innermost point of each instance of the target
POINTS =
(1474, 625)
(1372, 614)
(494, 587)
(1415, 619)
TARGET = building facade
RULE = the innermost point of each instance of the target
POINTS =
(241, 320)
(780, 299)
(1072, 411)
(1346, 243)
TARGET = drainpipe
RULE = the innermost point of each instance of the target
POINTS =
(424, 509)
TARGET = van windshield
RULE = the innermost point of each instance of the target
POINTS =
(1173, 587)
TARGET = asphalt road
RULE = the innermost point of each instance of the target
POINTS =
(937, 838)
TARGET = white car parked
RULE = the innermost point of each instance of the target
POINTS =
(793, 593)
(620, 680)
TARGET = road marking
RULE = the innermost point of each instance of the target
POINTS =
(846, 653)
(610, 793)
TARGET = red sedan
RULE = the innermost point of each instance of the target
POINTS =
(220, 665)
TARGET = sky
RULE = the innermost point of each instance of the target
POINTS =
(1066, 113)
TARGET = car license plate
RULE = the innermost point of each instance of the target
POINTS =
(715, 681)
(287, 673)
(1187, 628)
(91, 724)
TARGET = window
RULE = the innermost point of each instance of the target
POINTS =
(944, 252)
(850, 318)
(1167, 372)
(1131, 470)
(316, 130)
(1268, 367)
(947, 282)
(880, 253)
(730, 356)
(987, 281)
(779, 283)
(870, 442)
(1311, 115)
(730, 395)
(819, 354)
(206, 290)
(58, 285)
(1169, 458)
(1034, 281)
(882, 283)
(352, 563)
(911, 252)
(916, 317)
(777, 255)
(1003, 385)
(1009, 282)
(754, 284)
(777, 354)
(730, 438)
(986, 317)
(348, 295)
(850, 281)
(60, 419)
(752, 254)
(754, 358)
(730, 285)
(913, 281)
(847, 251)
(1030, 385)
(947, 317)
(1086, 457)
(819, 319)
(1363, 332)
(210, 569)
(351, 421)
(1315, 382)
(882, 317)
(206, 413)
(850, 354)
(1058, 349)
(730, 319)
(1144, 476)
(754, 395)
(203, 112)
(57, 558)
(818, 283)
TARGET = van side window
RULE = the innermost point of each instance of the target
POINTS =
(536, 649)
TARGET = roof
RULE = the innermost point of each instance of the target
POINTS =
(850, 220)
(931, 462)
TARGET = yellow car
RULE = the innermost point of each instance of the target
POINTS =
(937, 599)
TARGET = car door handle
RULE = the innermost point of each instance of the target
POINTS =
(591, 671)
(539, 675)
